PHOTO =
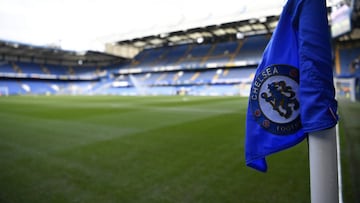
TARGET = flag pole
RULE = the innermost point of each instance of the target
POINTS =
(323, 166)
(341, 200)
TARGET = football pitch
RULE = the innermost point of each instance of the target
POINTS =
(138, 149)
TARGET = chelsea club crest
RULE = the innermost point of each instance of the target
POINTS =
(274, 99)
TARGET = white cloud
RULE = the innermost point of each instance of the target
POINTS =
(83, 24)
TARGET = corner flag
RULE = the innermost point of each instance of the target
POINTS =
(292, 93)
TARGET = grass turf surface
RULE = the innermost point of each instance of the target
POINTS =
(138, 149)
(350, 149)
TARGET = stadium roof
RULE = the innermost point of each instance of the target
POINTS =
(232, 30)
(211, 33)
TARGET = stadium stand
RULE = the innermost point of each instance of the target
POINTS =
(211, 60)
(13, 86)
(29, 68)
(5, 67)
(252, 49)
(57, 69)
(197, 69)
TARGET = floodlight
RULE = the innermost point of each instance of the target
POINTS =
(239, 35)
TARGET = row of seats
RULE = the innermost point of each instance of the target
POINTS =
(158, 82)
(191, 77)
(154, 81)
(41, 87)
(200, 80)
(32, 68)
(197, 55)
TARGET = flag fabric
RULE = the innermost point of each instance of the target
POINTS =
(292, 93)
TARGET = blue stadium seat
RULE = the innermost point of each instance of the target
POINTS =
(252, 48)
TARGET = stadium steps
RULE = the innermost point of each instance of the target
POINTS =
(232, 58)
(161, 77)
(16, 68)
(134, 63)
(195, 76)
(186, 54)
(206, 57)
(45, 70)
(71, 71)
(23, 86)
(176, 77)
(215, 77)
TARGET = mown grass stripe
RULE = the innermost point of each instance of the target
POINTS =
(137, 149)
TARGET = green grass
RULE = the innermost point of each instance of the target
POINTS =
(138, 149)
(350, 149)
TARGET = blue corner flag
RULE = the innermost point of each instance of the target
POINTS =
(292, 93)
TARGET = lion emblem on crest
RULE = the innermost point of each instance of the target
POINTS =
(282, 98)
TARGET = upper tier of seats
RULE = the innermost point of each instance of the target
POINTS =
(34, 70)
(203, 55)
(224, 54)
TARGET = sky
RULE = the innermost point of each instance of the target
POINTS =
(81, 25)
